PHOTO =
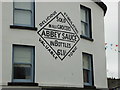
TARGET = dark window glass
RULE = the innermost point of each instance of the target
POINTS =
(86, 21)
(87, 69)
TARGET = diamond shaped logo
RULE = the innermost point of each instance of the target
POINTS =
(59, 35)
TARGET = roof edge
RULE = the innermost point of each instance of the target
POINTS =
(102, 5)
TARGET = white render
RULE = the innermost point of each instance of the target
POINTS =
(118, 39)
(48, 71)
(0, 44)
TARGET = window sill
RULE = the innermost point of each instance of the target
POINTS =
(21, 84)
(87, 38)
(23, 27)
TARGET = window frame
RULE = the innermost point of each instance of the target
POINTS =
(23, 26)
(91, 72)
(32, 80)
(88, 23)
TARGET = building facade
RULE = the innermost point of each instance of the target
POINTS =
(53, 45)
(118, 39)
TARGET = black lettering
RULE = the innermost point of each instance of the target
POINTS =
(47, 33)
(72, 52)
(48, 18)
(59, 33)
(59, 19)
(68, 18)
(62, 27)
(43, 33)
(56, 57)
(60, 44)
(68, 36)
(61, 52)
(48, 48)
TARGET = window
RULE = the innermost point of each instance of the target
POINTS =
(23, 63)
(87, 69)
(86, 22)
(23, 13)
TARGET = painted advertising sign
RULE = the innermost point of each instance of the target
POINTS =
(58, 35)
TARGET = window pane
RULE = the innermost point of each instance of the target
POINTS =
(22, 54)
(86, 62)
(87, 69)
(22, 71)
(83, 15)
(23, 5)
(84, 29)
(22, 17)
(86, 76)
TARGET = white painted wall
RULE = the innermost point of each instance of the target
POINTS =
(119, 39)
(0, 43)
(51, 72)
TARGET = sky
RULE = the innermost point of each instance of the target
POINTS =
(111, 37)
